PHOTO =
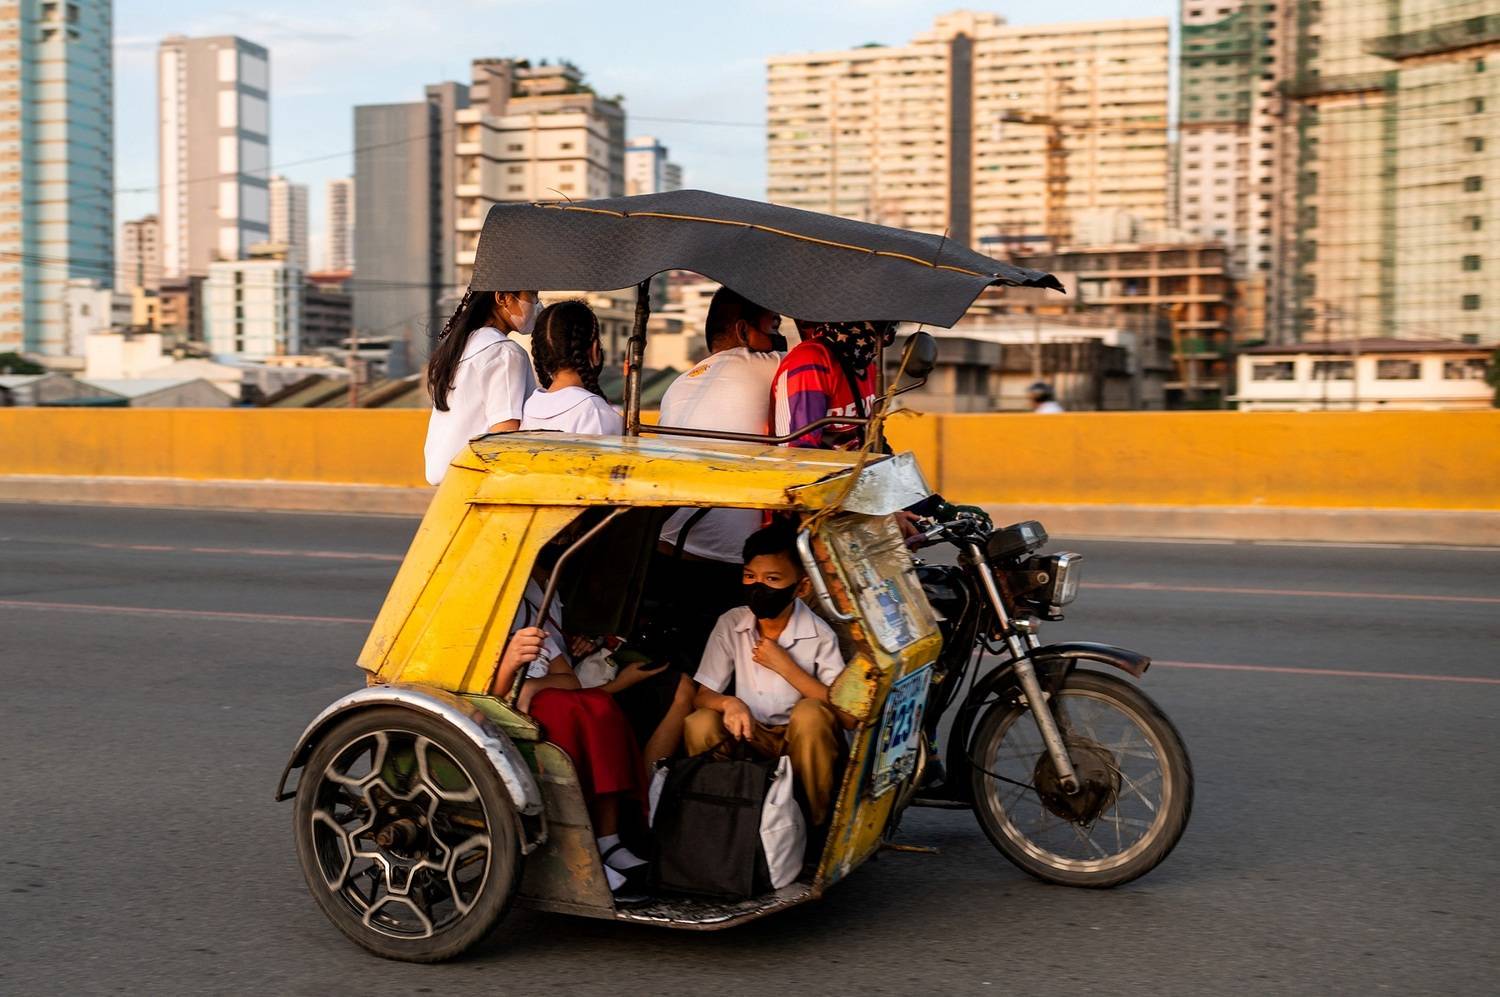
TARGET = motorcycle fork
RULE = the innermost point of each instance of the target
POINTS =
(1020, 648)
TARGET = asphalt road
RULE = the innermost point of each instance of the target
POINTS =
(158, 665)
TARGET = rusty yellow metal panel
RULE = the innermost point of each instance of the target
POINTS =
(566, 870)
(870, 574)
(446, 618)
(559, 469)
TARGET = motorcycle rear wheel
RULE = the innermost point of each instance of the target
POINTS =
(1141, 769)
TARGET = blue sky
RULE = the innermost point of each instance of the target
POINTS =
(672, 60)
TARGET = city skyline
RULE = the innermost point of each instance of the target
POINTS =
(324, 64)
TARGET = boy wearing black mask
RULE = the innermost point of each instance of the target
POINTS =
(781, 658)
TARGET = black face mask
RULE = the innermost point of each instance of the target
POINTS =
(766, 602)
(778, 342)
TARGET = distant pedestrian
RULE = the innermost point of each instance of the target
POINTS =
(1043, 401)
(478, 377)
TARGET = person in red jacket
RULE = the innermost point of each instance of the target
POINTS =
(830, 373)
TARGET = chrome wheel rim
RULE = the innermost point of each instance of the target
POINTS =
(400, 833)
(1121, 832)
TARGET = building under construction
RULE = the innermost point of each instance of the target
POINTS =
(1347, 152)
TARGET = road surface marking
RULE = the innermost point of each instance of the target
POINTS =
(224, 614)
(1342, 673)
(338, 555)
(1220, 542)
(1315, 593)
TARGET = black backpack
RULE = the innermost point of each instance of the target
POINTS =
(707, 827)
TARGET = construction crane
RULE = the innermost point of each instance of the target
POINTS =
(1055, 216)
(1055, 176)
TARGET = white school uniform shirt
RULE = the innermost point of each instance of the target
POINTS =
(728, 391)
(811, 643)
(490, 386)
(572, 410)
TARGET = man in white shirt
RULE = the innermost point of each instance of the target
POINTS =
(729, 390)
(781, 659)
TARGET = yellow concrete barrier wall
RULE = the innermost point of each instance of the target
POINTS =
(1393, 460)
(344, 446)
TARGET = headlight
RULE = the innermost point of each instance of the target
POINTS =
(1062, 587)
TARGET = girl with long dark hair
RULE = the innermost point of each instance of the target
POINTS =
(478, 377)
(568, 356)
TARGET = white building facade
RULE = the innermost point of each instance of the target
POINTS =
(252, 309)
(215, 121)
(649, 168)
(56, 163)
(289, 219)
(1364, 375)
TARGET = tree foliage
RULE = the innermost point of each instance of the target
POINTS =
(14, 363)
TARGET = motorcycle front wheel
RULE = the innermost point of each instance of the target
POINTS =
(1137, 785)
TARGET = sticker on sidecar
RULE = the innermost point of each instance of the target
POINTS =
(900, 730)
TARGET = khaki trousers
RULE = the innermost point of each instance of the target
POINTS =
(810, 739)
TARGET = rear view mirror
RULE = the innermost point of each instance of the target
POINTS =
(919, 356)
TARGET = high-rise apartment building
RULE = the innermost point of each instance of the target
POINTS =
(289, 219)
(1000, 136)
(215, 127)
(140, 255)
(338, 225)
(56, 163)
(648, 170)
(426, 173)
(532, 133)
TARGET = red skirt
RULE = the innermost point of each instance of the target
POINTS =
(588, 725)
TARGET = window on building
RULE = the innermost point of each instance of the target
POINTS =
(1471, 262)
(515, 147)
(1333, 370)
(1476, 105)
(1398, 370)
(1473, 223)
(1474, 143)
(1464, 370)
(1472, 184)
(1273, 370)
(1470, 303)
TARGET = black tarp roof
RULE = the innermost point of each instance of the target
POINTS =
(798, 263)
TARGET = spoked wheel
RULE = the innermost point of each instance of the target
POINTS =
(407, 839)
(1136, 785)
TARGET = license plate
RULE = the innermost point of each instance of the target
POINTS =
(900, 730)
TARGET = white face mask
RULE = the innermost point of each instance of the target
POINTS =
(527, 320)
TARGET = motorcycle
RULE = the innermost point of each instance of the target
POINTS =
(1075, 774)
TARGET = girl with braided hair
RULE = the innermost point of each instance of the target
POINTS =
(568, 356)
(478, 377)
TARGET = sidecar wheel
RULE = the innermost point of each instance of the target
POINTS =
(407, 839)
(1138, 785)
